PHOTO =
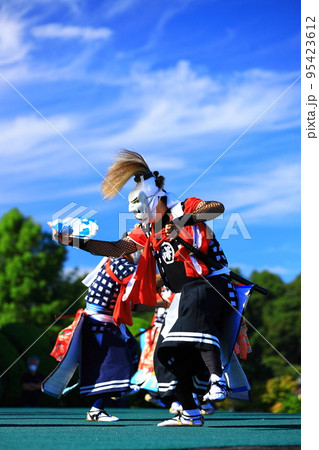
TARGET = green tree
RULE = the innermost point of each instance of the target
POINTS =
(10, 382)
(32, 286)
(258, 331)
(273, 324)
(282, 321)
(282, 395)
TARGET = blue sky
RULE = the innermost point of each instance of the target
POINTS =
(181, 82)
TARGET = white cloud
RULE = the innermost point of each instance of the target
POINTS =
(24, 133)
(267, 196)
(118, 7)
(162, 20)
(13, 47)
(31, 192)
(33, 153)
(179, 102)
(163, 108)
(75, 6)
(58, 31)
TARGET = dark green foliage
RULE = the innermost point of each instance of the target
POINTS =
(273, 326)
(282, 395)
(33, 290)
(22, 336)
(141, 320)
(33, 287)
(10, 384)
(276, 319)
(30, 266)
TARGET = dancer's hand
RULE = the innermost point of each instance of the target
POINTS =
(171, 231)
(62, 238)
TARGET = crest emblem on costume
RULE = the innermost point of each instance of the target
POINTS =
(167, 253)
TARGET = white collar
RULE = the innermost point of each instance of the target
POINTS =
(88, 280)
(174, 205)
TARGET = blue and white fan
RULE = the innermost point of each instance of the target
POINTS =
(76, 227)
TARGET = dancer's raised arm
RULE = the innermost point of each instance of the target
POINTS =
(106, 248)
(206, 210)
(103, 248)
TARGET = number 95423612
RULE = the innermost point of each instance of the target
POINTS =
(310, 47)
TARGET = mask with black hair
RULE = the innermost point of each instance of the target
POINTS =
(144, 199)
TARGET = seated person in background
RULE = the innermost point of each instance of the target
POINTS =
(31, 383)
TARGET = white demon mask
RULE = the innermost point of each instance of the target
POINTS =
(143, 200)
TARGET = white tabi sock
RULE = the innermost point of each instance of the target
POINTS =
(214, 378)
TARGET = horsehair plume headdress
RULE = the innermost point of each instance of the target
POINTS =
(126, 165)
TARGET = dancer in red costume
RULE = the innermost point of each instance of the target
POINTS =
(190, 339)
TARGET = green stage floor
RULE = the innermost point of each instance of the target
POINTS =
(136, 430)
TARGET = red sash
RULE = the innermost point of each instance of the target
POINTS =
(122, 312)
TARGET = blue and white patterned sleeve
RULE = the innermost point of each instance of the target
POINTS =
(122, 268)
